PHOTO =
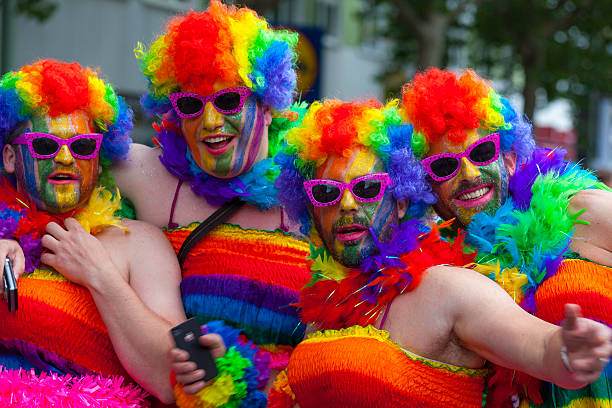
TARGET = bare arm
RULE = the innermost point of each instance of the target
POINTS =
(593, 241)
(138, 307)
(490, 323)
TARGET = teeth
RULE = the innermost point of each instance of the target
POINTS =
(474, 194)
(217, 139)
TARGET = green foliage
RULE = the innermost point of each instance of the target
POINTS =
(39, 10)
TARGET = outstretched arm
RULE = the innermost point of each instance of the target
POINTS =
(134, 280)
(490, 323)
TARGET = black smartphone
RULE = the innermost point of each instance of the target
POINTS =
(186, 337)
(10, 285)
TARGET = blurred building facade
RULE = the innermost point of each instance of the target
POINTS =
(344, 49)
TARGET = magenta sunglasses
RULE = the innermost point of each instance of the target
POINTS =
(370, 187)
(444, 166)
(46, 146)
(227, 101)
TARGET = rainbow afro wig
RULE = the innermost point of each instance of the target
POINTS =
(54, 88)
(337, 128)
(225, 44)
(443, 104)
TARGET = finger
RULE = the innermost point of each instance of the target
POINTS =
(211, 340)
(48, 241)
(73, 225)
(48, 259)
(194, 388)
(18, 259)
(178, 355)
(55, 230)
(572, 313)
(190, 377)
(184, 367)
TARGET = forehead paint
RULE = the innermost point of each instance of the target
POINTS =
(35, 178)
(248, 128)
(377, 215)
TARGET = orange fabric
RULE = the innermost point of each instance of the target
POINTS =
(61, 317)
(360, 367)
(577, 281)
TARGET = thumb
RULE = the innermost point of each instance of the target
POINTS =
(214, 342)
(572, 313)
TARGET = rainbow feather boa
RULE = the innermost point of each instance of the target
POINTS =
(524, 242)
(241, 374)
(21, 220)
(338, 297)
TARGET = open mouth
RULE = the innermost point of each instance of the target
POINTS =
(62, 178)
(475, 196)
(350, 234)
(218, 144)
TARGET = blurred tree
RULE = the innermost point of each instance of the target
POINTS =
(562, 46)
(37, 9)
(419, 32)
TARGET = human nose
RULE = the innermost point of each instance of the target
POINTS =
(211, 118)
(64, 156)
(348, 204)
(469, 171)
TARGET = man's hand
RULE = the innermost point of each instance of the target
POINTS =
(186, 372)
(588, 344)
(75, 253)
(11, 249)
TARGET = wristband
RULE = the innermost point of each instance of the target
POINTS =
(565, 359)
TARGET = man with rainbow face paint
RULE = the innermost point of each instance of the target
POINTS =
(219, 79)
(97, 294)
(399, 323)
(525, 208)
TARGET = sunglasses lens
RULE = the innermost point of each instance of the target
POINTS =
(44, 146)
(228, 102)
(444, 166)
(84, 146)
(483, 153)
(188, 105)
(325, 193)
(369, 188)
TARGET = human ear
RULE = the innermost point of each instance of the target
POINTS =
(402, 207)
(8, 158)
(510, 162)
(267, 114)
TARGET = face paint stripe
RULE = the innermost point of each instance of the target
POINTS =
(256, 139)
(245, 134)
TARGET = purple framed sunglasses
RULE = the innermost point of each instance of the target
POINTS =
(370, 187)
(226, 101)
(46, 146)
(442, 167)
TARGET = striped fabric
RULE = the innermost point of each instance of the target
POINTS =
(57, 327)
(590, 286)
(361, 367)
(247, 278)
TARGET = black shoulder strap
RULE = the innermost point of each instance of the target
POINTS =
(216, 218)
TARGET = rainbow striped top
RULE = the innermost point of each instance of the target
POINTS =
(249, 279)
(57, 327)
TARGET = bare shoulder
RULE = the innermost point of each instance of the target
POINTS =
(593, 200)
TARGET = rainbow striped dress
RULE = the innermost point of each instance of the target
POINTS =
(249, 279)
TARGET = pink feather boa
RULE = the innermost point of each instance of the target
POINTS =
(23, 388)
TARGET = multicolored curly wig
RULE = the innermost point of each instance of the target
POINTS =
(337, 128)
(443, 104)
(54, 88)
(233, 46)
